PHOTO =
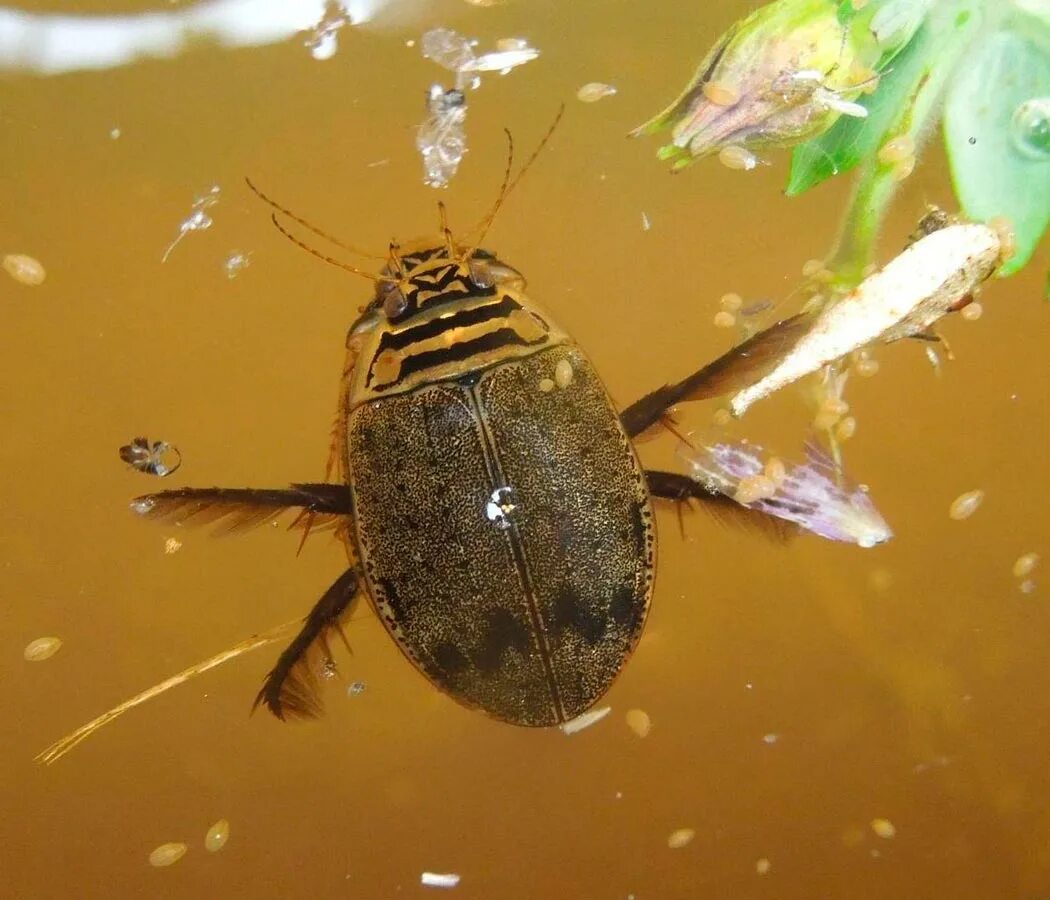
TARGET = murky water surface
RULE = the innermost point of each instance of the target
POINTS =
(824, 721)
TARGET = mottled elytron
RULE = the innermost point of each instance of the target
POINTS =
(495, 510)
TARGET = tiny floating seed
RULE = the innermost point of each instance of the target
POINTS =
(972, 311)
(811, 266)
(720, 94)
(172, 545)
(775, 471)
(1024, 565)
(217, 836)
(546, 385)
(865, 366)
(563, 373)
(41, 649)
(680, 837)
(846, 428)
(763, 866)
(594, 91)
(965, 505)
(754, 488)
(24, 269)
(167, 854)
(639, 722)
(724, 319)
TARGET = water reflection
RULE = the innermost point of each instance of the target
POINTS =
(50, 44)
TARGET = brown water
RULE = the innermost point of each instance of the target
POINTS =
(796, 693)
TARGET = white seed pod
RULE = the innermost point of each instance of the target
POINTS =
(928, 280)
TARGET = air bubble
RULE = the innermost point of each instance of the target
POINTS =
(1030, 127)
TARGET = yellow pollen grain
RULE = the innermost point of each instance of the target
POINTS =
(731, 302)
(896, 150)
(775, 470)
(594, 91)
(1024, 565)
(811, 266)
(546, 385)
(172, 545)
(972, 311)
(167, 854)
(563, 373)
(738, 158)
(41, 649)
(720, 94)
(903, 169)
(639, 722)
(883, 828)
(680, 837)
(24, 269)
(846, 428)
(724, 319)
(754, 488)
(965, 505)
(763, 866)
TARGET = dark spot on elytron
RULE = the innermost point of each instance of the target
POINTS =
(624, 608)
(639, 529)
(502, 633)
(569, 612)
(450, 659)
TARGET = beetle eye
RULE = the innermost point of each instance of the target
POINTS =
(394, 302)
(481, 274)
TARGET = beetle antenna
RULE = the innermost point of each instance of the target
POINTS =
(450, 243)
(508, 184)
(328, 259)
(282, 209)
(395, 262)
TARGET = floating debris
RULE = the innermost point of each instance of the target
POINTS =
(24, 269)
(770, 739)
(1025, 565)
(439, 879)
(817, 495)
(441, 138)
(167, 854)
(114, 134)
(323, 39)
(151, 459)
(934, 276)
(41, 649)
(594, 91)
(680, 837)
(724, 319)
(883, 828)
(197, 220)
(172, 545)
(763, 866)
(738, 158)
(646, 224)
(236, 263)
(965, 505)
(639, 722)
(217, 836)
(585, 721)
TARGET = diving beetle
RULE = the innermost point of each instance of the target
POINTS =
(496, 513)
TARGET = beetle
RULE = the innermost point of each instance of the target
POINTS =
(496, 512)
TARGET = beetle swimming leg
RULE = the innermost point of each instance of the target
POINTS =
(740, 367)
(243, 507)
(682, 489)
(291, 689)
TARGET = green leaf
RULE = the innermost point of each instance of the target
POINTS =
(996, 172)
(852, 139)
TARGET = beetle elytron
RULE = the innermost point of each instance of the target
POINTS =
(497, 515)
